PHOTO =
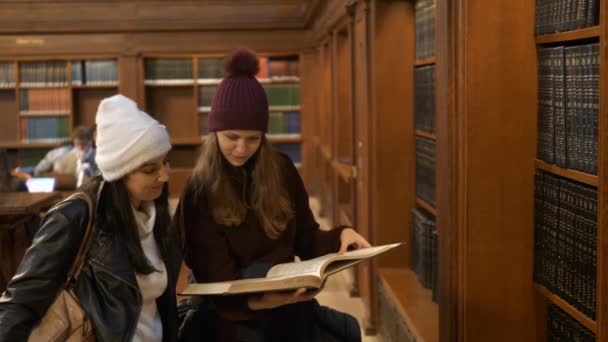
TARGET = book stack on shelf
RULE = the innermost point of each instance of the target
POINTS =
(280, 78)
(563, 15)
(423, 249)
(566, 240)
(567, 189)
(44, 111)
(103, 72)
(561, 327)
(42, 100)
(568, 106)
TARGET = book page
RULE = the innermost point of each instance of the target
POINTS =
(312, 266)
(317, 265)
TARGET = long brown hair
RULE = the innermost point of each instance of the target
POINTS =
(268, 198)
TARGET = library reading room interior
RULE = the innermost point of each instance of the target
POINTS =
(469, 130)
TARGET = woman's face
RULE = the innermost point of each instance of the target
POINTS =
(146, 182)
(238, 146)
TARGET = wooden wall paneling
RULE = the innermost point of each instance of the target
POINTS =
(18, 17)
(9, 107)
(131, 77)
(336, 118)
(45, 45)
(449, 77)
(391, 137)
(172, 106)
(308, 114)
(195, 99)
(362, 125)
(392, 126)
(602, 242)
(85, 103)
(497, 99)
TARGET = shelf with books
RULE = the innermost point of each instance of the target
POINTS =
(284, 108)
(424, 62)
(576, 314)
(580, 34)
(169, 83)
(95, 86)
(568, 173)
(30, 145)
(41, 113)
(284, 138)
(423, 134)
(412, 302)
(424, 205)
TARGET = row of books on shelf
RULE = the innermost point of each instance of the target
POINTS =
(565, 15)
(95, 72)
(423, 249)
(284, 123)
(568, 106)
(563, 327)
(165, 70)
(168, 70)
(392, 325)
(8, 74)
(424, 98)
(565, 243)
(425, 29)
(44, 100)
(45, 129)
(43, 74)
(293, 150)
(425, 170)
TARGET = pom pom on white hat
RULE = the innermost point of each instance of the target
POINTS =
(126, 137)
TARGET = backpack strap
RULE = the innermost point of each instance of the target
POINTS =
(87, 239)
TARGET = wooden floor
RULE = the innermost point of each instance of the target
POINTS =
(336, 292)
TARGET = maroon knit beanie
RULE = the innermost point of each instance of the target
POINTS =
(240, 101)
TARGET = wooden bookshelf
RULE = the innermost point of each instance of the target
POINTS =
(413, 302)
(422, 204)
(427, 135)
(424, 62)
(581, 318)
(26, 145)
(578, 176)
(95, 86)
(345, 171)
(586, 33)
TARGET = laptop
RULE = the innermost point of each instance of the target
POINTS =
(40, 184)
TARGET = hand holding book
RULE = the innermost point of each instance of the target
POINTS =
(350, 238)
(294, 276)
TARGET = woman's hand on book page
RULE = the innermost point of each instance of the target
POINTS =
(271, 300)
(350, 237)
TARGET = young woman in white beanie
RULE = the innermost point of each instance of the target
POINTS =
(127, 283)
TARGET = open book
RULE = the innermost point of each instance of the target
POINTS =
(294, 275)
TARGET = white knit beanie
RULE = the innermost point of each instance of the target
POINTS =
(126, 137)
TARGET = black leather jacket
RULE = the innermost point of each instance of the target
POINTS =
(107, 288)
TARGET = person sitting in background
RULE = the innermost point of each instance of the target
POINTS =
(71, 159)
(9, 183)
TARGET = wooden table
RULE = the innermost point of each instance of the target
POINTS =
(16, 209)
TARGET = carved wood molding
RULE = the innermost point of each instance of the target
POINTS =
(26, 17)
(13, 46)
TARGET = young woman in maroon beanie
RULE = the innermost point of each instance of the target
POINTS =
(245, 208)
